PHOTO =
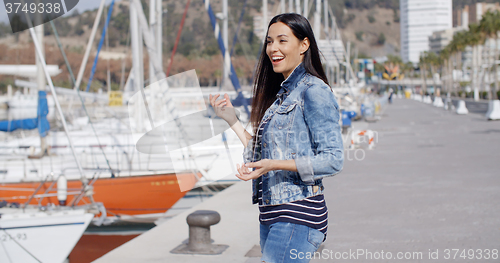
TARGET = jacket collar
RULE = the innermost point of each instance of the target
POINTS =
(291, 82)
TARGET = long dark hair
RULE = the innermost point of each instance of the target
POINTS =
(267, 82)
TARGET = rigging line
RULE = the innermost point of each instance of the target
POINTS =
(245, 51)
(178, 37)
(34, 193)
(83, 64)
(56, 35)
(46, 193)
(100, 45)
(108, 80)
(243, 44)
(330, 39)
(218, 35)
(238, 28)
(51, 85)
(122, 77)
(13, 239)
(309, 9)
(348, 62)
(6, 252)
(79, 95)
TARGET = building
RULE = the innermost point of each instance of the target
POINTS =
(461, 17)
(476, 11)
(440, 39)
(472, 14)
(419, 19)
(485, 54)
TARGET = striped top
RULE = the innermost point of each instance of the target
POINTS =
(311, 211)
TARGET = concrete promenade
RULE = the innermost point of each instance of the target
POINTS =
(238, 228)
(432, 183)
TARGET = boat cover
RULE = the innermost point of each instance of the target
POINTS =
(39, 122)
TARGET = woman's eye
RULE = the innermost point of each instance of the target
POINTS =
(282, 40)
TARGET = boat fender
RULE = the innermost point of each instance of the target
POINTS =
(62, 190)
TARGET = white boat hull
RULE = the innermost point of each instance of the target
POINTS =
(40, 236)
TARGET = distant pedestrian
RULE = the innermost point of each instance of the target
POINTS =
(390, 96)
(296, 143)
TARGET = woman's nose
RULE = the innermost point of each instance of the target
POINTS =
(272, 47)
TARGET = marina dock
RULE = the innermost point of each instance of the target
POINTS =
(430, 184)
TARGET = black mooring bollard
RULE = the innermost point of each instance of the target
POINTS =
(199, 234)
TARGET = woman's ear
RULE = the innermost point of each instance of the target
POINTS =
(304, 45)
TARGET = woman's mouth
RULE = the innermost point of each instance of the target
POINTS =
(277, 59)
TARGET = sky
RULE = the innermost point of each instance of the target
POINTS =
(82, 5)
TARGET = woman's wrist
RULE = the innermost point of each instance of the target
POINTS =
(233, 123)
(288, 165)
(240, 131)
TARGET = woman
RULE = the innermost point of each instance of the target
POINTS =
(297, 141)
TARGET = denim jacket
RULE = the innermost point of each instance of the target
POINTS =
(305, 128)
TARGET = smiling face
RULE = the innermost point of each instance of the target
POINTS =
(284, 49)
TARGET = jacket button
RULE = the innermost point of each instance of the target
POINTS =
(267, 201)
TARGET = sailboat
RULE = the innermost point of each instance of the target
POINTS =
(134, 182)
(128, 182)
(25, 233)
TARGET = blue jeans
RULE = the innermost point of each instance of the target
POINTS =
(283, 242)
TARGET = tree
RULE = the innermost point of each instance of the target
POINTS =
(444, 56)
(489, 26)
(395, 59)
(381, 39)
(474, 38)
(423, 72)
(456, 47)
(407, 68)
(359, 35)
(371, 19)
(433, 61)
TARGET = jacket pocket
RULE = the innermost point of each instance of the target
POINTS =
(284, 116)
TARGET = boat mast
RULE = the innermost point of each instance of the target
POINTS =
(159, 30)
(317, 20)
(89, 45)
(152, 25)
(327, 35)
(233, 77)
(297, 6)
(264, 19)
(135, 45)
(40, 76)
(225, 37)
(137, 62)
(325, 18)
(306, 8)
(38, 50)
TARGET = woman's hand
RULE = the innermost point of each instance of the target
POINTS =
(223, 108)
(261, 167)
